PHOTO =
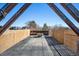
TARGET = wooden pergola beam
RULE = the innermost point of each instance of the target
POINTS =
(52, 6)
(72, 10)
(6, 9)
(13, 19)
(63, 17)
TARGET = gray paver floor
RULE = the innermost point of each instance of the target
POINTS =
(30, 47)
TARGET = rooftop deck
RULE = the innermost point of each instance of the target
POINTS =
(38, 46)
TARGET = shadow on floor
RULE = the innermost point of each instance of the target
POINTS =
(60, 48)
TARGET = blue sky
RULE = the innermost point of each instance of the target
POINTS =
(41, 13)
